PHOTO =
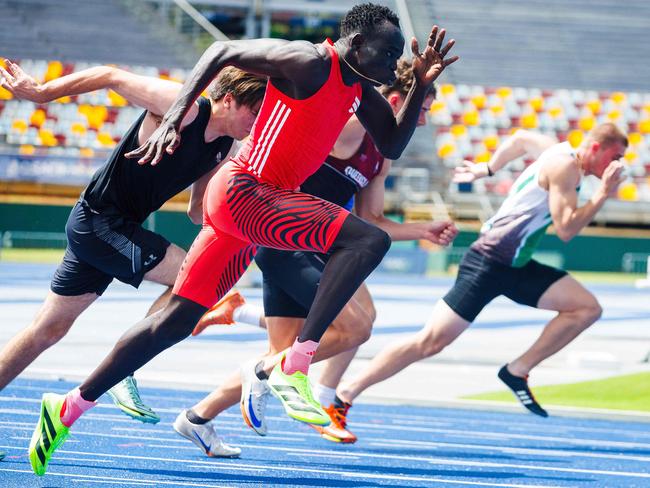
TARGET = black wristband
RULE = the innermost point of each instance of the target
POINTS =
(490, 172)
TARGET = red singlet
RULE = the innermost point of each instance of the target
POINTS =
(251, 200)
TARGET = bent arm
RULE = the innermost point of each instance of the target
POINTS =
(390, 133)
(568, 219)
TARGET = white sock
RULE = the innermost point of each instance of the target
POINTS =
(248, 314)
(324, 394)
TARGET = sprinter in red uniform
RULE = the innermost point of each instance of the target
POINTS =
(312, 91)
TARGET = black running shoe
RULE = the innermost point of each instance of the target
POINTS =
(519, 387)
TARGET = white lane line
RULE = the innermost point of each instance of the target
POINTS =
(257, 468)
(136, 483)
(299, 454)
(617, 456)
(372, 441)
(482, 435)
(393, 457)
(106, 479)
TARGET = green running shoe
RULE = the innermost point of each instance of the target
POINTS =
(49, 433)
(295, 394)
(2, 455)
(126, 397)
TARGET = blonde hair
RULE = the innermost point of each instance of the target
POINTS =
(607, 134)
(246, 88)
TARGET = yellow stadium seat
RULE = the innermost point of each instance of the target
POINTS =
(116, 99)
(586, 123)
(446, 150)
(594, 105)
(5, 94)
(644, 126)
(471, 118)
(437, 106)
(447, 89)
(479, 101)
(54, 70)
(631, 156)
(628, 192)
(105, 139)
(646, 107)
(483, 157)
(86, 152)
(575, 137)
(504, 91)
(617, 97)
(491, 142)
(529, 121)
(2, 62)
(78, 128)
(555, 112)
(614, 115)
(47, 138)
(634, 138)
(458, 130)
(497, 109)
(65, 99)
(537, 104)
(37, 118)
(26, 150)
(84, 109)
(19, 125)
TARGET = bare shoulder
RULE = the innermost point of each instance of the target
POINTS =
(560, 169)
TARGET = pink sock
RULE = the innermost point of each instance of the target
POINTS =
(73, 407)
(299, 357)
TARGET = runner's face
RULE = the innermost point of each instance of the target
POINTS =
(243, 118)
(378, 54)
(604, 155)
(422, 117)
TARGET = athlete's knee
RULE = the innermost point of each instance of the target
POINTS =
(589, 313)
(176, 321)
(46, 333)
(430, 344)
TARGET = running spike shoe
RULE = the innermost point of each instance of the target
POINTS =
(294, 392)
(254, 395)
(49, 433)
(337, 430)
(205, 437)
(519, 387)
(126, 397)
(221, 313)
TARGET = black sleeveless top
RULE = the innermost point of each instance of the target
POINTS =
(136, 191)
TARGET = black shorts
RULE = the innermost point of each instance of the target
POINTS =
(481, 279)
(102, 246)
(290, 280)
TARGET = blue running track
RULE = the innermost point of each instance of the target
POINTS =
(398, 446)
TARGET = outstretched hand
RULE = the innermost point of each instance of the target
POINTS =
(441, 233)
(19, 83)
(470, 172)
(430, 63)
(165, 139)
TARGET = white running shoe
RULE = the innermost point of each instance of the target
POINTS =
(205, 437)
(254, 394)
(126, 397)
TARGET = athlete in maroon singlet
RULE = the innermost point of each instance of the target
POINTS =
(313, 89)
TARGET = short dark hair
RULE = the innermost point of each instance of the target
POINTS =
(365, 18)
(246, 88)
(404, 80)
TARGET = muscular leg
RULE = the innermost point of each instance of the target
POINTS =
(282, 331)
(577, 309)
(165, 274)
(52, 322)
(143, 342)
(357, 250)
(335, 367)
(442, 328)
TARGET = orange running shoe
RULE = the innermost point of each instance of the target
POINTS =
(221, 313)
(337, 431)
